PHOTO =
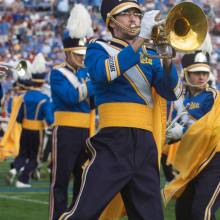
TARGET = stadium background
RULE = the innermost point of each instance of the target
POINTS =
(31, 26)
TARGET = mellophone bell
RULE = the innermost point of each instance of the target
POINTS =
(184, 29)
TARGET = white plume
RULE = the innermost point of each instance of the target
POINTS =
(207, 45)
(79, 23)
(39, 64)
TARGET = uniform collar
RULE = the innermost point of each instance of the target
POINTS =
(118, 42)
(68, 66)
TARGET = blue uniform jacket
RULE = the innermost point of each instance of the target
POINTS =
(65, 96)
(116, 88)
(36, 106)
(196, 105)
(71, 91)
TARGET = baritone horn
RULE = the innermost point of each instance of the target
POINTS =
(184, 29)
(20, 69)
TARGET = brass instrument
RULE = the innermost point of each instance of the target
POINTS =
(20, 69)
(179, 116)
(184, 30)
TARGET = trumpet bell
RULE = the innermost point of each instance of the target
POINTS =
(186, 27)
(21, 68)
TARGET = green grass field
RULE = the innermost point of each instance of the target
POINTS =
(32, 204)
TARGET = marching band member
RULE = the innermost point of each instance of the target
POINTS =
(71, 89)
(35, 114)
(11, 138)
(124, 155)
(197, 160)
(198, 97)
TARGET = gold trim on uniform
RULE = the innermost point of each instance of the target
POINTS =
(120, 8)
(113, 68)
(116, 40)
(66, 215)
(33, 124)
(114, 47)
(121, 114)
(38, 80)
(209, 207)
(107, 70)
(72, 119)
(56, 66)
(75, 49)
(117, 66)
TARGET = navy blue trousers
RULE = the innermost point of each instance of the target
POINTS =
(167, 169)
(121, 160)
(31, 144)
(201, 198)
(68, 155)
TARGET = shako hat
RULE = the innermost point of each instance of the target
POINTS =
(195, 62)
(79, 26)
(110, 8)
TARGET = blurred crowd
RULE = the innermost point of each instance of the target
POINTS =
(29, 27)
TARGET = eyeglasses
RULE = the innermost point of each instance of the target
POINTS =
(129, 13)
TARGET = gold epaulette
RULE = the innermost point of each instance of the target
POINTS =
(93, 40)
(57, 66)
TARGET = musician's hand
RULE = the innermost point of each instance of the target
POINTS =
(175, 133)
(148, 22)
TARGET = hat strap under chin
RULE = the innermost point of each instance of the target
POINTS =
(133, 31)
(78, 64)
(188, 83)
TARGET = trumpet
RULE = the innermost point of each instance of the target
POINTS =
(20, 69)
(184, 29)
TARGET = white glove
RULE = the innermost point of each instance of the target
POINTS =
(148, 22)
(175, 133)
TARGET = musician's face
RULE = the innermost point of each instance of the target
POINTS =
(130, 18)
(198, 78)
(75, 60)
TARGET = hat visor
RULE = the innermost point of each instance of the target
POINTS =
(77, 50)
(199, 68)
(122, 7)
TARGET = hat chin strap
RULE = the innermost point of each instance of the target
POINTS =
(188, 83)
(132, 31)
(78, 64)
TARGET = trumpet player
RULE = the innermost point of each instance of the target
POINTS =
(124, 155)
(197, 160)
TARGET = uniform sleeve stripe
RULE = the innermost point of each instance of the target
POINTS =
(107, 70)
(82, 92)
(117, 66)
(112, 68)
